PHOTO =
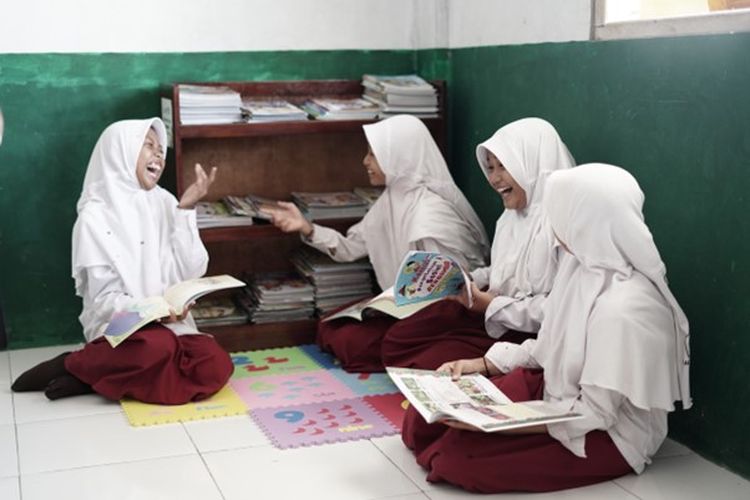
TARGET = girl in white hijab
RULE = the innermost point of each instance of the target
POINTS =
(613, 346)
(420, 209)
(516, 160)
(132, 240)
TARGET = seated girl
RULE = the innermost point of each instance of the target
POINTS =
(132, 240)
(613, 346)
(516, 161)
(421, 208)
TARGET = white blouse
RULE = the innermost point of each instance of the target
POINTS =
(103, 290)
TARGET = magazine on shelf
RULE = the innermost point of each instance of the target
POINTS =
(124, 323)
(329, 108)
(423, 279)
(398, 84)
(472, 399)
(268, 110)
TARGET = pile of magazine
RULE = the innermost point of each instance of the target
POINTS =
(271, 110)
(250, 205)
(341, 108)
(219, 311)
(334, 205)
(274, 297)
(401, 94)
(336, 283)
(210, 214)
(209, 105)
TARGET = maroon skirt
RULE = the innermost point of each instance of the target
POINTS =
(154, 366)
(495, 463)
(356, 344)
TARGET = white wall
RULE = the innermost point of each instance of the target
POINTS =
(29, 26)
(216, 25)
(508, 22)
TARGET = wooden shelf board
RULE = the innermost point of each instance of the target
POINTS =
(250, 337)
(241, 233)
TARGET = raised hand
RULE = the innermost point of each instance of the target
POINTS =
(287, 217)
(198, 189)
(461, 366)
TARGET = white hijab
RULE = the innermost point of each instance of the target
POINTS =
(120, 224)
(523, 255)
(408, 210)
(596, 211)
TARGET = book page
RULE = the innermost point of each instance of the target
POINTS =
(182, 294)
(124, 323)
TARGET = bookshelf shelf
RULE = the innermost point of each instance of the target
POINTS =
(272, 160)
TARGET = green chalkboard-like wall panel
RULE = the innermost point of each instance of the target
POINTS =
(675, 113)
(55, 107)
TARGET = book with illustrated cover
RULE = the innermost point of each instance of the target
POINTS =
(472, 399)
(265, 110)
(124, 323)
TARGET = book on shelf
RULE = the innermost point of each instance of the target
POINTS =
(124, 323)
(209, 105)
(385, 99)
(398, 84)
(473, 400)
(329, 108)
(423, 278)
(221, 311)
(271, 110)
(369, 193)
(279, 296)
(210, 214)
(333, 205)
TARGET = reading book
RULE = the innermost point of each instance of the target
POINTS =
(473, 400)
(124, 323)
(428, 276)
(423, 279)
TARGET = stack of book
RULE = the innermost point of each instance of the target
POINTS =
(271, 110)
(401, 94)
(370, 194)
(274, 297)
(329, 108)
(333, 205)
(210, 214)
(209, 105)
(336, 283)
(250, 206)
(220, 311)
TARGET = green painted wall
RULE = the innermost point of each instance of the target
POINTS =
(55, 107)
(675, 113)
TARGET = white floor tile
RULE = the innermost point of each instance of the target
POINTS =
(351, 471)
(416, 496)
(687, 477)
(229, 433)
(183, 478)
(23, 359)
(399, 454)
(9, 489)
(670, 449)
(8, 452)
(6, 404)
(35, 407)
(95, 440)
(608, 491)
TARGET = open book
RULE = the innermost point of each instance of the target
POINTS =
(124, 323)
(473, 400)
(423, 279)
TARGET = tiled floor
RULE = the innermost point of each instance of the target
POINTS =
(83, 448)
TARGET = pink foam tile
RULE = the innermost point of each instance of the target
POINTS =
(296, 388)
(319, 423)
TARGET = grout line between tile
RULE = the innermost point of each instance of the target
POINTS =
(397, 467)
(203, 460)
(614, 481)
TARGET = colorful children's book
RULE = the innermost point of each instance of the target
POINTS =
(177, 297)
(473, 400)
(427, 276)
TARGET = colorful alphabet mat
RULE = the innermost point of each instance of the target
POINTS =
(300, 397)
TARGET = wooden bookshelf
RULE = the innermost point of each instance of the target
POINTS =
(272, 160)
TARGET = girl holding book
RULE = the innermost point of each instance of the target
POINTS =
(421, 208)
(133, 240)
(507, 295)
(613, 347)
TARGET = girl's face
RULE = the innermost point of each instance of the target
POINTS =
(150, 163)
(374, 172)
(513, 195)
